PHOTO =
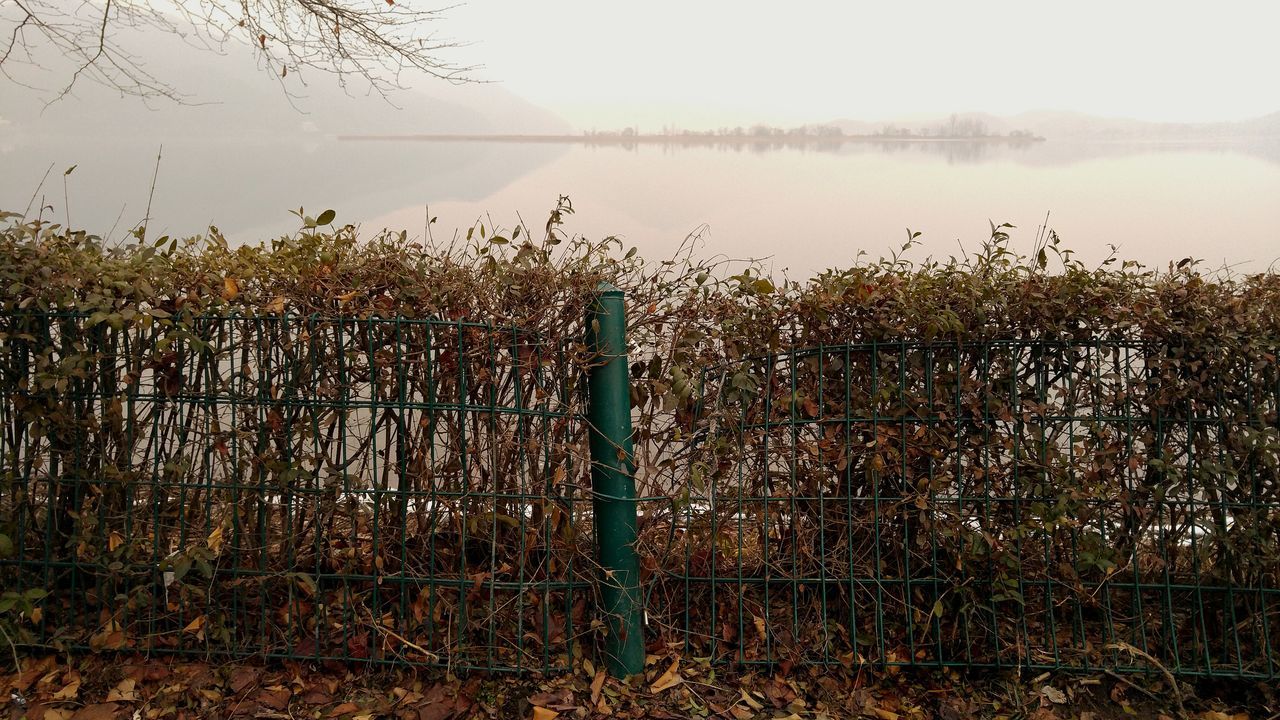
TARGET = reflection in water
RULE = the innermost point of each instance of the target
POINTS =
(807, 207)
(811, 210)
(246, 188)
(955, 151)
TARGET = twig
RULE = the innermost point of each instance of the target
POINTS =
(17, 664)
(66, 197)
(1117, 676)
(36, 192)
(378, 626)
(146, 220)
(1168, 676)
(116, 224)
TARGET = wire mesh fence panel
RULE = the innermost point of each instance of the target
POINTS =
(396, 490)
(1025, 504)
(380, 490)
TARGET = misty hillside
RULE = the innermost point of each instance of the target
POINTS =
(228, 96)
(1055, 124)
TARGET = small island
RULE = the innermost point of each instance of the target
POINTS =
(955, 129)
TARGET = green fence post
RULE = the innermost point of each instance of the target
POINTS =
(613, 482)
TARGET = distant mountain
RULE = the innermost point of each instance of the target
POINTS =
(1081, 126)
(1055, 124)
(231, 98)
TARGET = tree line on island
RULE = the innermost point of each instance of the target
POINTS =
(955, 127)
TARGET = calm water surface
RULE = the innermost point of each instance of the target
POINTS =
(805, 208)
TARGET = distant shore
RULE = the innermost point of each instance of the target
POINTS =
(693, 139)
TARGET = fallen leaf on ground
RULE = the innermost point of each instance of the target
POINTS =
(669, 679)
(69, 691)
(1055, 696)
(274, 699)
(559, 700)
(596, 685)
(242, 679)
(316, 696)
(124, 692)
(100, 711)
(344, 709)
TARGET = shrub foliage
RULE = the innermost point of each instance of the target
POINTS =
(374, 449)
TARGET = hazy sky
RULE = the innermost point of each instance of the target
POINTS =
(710, 62)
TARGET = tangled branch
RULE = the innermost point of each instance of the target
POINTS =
(377, 44)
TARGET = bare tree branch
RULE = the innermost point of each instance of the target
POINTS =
(376, 43)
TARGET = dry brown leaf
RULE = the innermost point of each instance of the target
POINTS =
(596, 684)
(100, 711)
(195, 625)
(124, 692)
(24, 680)
(215, 539)
(1054, 695)
(778, 693)
(760, 626)
(69, 691)
(345, 708)
(230, 288)
(669, 679)
(810, 407)
(558, 700)
(211, 695)
(541, 713)
(440, 710)
(405, 695)
(107, 640)
(275, 699)
(242, 679)
(316, 696)
(277, 305)
(885, 714)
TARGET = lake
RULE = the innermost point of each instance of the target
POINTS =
(806, 208)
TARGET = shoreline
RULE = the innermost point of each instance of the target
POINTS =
(695, 139)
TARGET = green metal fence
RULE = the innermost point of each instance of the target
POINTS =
(379, 490)
(1005, 504)
(418, 491)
